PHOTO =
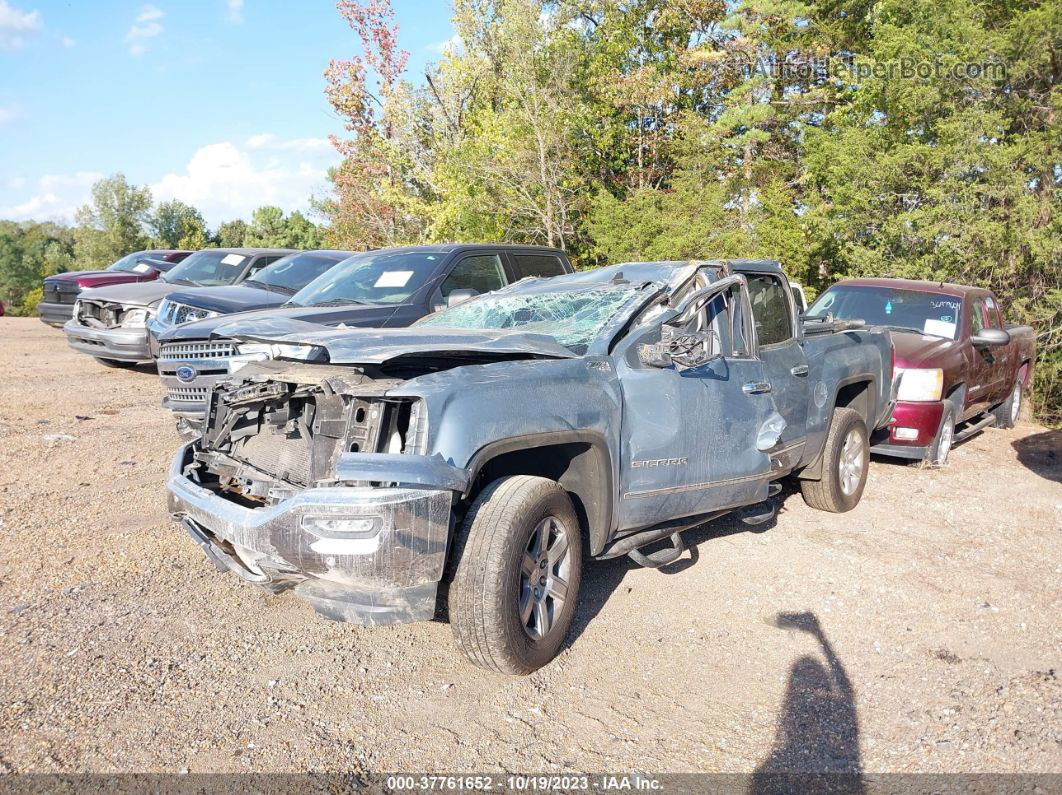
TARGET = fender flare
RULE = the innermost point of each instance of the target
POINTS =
(599, 506)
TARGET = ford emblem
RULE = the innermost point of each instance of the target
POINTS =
(185, 374)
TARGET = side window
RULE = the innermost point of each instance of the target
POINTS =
(977, 319)
(770, 309)
(991, 317)
(482, 273)
(260, 263)
(537, 265)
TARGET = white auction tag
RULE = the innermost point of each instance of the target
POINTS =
(140, 267)
(939, 328)
(232, 259)
(393, 279)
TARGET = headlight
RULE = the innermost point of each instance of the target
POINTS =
(303, 353)
(134, 318)
(920, 384)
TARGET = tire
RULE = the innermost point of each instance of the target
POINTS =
(845, 463)
(116, 364)
(1007, 412)
(937, 454)
(495, 611)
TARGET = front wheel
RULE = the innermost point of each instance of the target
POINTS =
(845, 462)
(517, 578)
(938, 452)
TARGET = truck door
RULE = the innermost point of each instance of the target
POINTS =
(691, 430)
(783, 357)
(997, 359)
(982, 361)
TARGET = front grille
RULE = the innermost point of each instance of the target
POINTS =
(190, 393)
(176, 314)
(197, 350)
(54, 294)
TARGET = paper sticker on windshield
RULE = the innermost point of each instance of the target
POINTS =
(393, 279)
(140, 267)
(232, 259)
(939, 328)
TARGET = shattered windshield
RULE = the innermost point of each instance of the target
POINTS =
(572, 317)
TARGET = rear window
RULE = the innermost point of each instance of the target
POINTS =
(538, 265)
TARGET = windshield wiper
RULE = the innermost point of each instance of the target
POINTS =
(340, 302)
(189, 282)
(276, 288)
(908, 328)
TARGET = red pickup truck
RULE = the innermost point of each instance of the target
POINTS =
(960, 368)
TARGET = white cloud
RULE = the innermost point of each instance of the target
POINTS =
(235, 11)
(145, 27)
(265, 141)
(8, 113)
(15, 24)
(226, 181)
(452, 45)
(68, 42)
(56, 197)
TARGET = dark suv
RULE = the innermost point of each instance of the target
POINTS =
(385, 288)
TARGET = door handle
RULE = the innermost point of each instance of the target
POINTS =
(756, 388)
(800, 369)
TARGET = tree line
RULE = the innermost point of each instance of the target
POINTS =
(907, 138)
(120, 218)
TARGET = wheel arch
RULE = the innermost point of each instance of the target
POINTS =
(858, 389)
(579, 461)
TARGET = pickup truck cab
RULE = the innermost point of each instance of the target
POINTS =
(110, 323)
(61, 290)
(486, 446)
(961, 368)
(386, 288)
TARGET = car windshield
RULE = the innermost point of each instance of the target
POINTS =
(371, 278)
(131, 263)
(931, 313)
(208, 269)
(290, 274)
(573, 317)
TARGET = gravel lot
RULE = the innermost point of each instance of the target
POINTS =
(919, 632)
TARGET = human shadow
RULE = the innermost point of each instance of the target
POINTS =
(816, 745)
(1042, 453)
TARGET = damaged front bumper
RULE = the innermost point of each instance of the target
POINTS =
(122, 344)
(363, 554)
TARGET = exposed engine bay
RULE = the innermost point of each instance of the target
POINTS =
(281, 427)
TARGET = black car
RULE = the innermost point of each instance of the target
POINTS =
(385, 288)
(272, 286)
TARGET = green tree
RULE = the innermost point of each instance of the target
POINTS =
(176, 224)
(30, 251)
(270, 228)
(231, 234)
(113, 222)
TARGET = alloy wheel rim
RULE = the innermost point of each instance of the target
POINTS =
(852, 464)
(1015, 404)
(947, 436)
(545, 571)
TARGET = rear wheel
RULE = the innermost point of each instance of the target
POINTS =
(117, 364)
(938, 452)
(1007, 412)
(845, 462)
(517, 577)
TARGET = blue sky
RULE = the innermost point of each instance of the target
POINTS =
(217, 102)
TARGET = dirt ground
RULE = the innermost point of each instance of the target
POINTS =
(920, 632)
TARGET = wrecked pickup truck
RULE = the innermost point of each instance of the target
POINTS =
(491, 446)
